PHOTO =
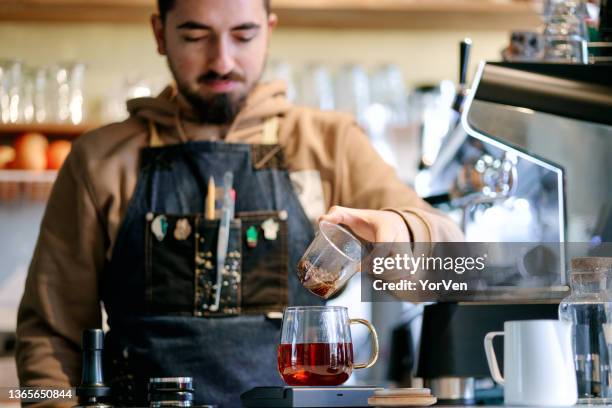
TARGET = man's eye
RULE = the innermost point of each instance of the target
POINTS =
(245, 39)
(193, 39)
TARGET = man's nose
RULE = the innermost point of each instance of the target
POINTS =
(221, 58)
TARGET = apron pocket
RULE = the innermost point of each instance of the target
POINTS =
(265, 263)
(169, 263)
(181, 265)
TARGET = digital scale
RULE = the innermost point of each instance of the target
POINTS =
(307, 397)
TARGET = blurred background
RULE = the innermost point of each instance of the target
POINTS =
(67, 66)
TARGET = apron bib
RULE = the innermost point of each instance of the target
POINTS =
(160, 283)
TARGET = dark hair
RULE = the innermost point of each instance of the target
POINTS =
(164, 6)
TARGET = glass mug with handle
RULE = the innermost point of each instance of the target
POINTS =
(316, 347)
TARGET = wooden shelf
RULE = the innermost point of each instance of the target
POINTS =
(413, 14)
(18, 186)
(371, 14)
(27, 176)
(127, 11)
(47, 129)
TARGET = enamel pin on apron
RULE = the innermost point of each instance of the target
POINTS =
(182, 230)
(159, 227)
(270, 229)
(251, 236)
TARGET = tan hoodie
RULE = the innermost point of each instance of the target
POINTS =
(328, 156)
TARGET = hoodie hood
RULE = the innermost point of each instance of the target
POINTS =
(266, 100)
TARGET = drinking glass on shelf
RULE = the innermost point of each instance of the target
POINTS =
(388, 122)
(316, 87)
(388, 88)
(565, 32)
(65, 93)
(10, 88)
(76, 77)
(26, 103)
(353, 90)
(282, 70)
(4, 91)
(133, 85)
(59, 93)
(41, 94)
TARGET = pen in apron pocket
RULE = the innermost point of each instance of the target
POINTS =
(222, 241)
(210, 199)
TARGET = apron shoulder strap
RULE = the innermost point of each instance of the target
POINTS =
(269, 137)
(270, 131)
(154, 139)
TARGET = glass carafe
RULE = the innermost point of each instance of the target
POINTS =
(589, 309)
(565, 32)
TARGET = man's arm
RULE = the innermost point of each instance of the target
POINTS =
(61, 294)
(367, 181)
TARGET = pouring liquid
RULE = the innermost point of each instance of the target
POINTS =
(320, 282)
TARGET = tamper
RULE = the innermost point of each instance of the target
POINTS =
(92, 380)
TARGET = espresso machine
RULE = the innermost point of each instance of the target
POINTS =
(530, 162)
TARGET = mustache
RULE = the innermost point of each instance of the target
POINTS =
(212, 76)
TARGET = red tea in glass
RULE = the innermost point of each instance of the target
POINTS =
(315, 363)
(316, 347)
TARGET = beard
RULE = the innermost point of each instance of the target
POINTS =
(217, 109)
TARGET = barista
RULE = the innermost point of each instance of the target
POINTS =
(125, 227)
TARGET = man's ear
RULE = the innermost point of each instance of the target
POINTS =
(158, 31)
(272, 21)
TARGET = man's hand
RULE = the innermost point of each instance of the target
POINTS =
(371, 225)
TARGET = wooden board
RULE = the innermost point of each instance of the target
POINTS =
(403, 392)
(421, 401)
(373, 14)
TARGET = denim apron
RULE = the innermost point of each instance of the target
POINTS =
(160, 282)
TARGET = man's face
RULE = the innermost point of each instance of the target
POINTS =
(216, 50)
